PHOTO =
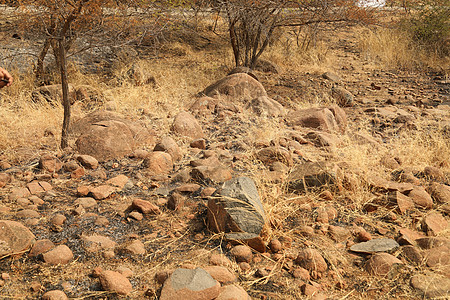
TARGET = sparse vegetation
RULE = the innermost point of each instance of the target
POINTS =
(398, 124)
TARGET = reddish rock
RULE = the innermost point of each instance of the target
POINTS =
(83, 190)
(216, 174)
(158, 163)
(96, 242)
(338, 234)
(4, 179)
(438, 257)
(412, 254)
(49, 163)
(18, 192)
(161, 276)
(145, 207)
(185, 124)
(41, 246)
(221, 274)
(106, 140)
(194, 284)
(54, 295)
(188, 188)
(135, 247)
(14, 238)
(115, 282)
(421, 198)
(78, 173)
(434, 223)
(242, 253)
(311, 260)
(219, 260)
(301, 273)
(58, 219)
(364, 236)
(431, 285)
(381, 263)
(102, 192)
(270, 155)
(275, 246)
(35, 188)
(198, 143)
(176, 201)
(59, 255)
(168, 144)
(403, 203)
(440, 192)
(408, 236)
(232, 292)
(27, 214)
(86, 202)
(88, 161)
(266, 106)
(309, 290)
(118, 181)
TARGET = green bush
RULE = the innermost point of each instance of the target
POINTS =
(429, 25)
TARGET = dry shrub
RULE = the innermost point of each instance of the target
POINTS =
(394, 48)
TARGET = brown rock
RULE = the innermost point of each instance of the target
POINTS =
(440, 192)
(27, 214)
(136, 247)
(115, 282)
(317, 118)
(381, 263)
(403, 203)
(433, 173)
(14, 238)
(168, 144)
(309, 290)
(232, 292)
(434, 223)
(239, 86)
(275, 246)
(145, 207)
(176, 201)
(438, 256)
(59, 255)
(338, 234)
(78, 173)
(421, 198)
(431, 285)
(185, 124)
(412, 254)
(41, 246)
(195, 284)
(198, 143)
(58, 219)
(158, 163)
(215, 174)
(311, 260)
(219, 260)
(118, 181)
(102, 192)
(340, 116)
(4, 179)
(242, 253)
(270, 155)
(88, 161)
(49, 163)
(106, 140)
(161, 276)
(266, 106)
(54, 295)
(221, 274)
(301, 273)
(96, 242)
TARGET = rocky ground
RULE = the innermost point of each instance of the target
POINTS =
(252, 193)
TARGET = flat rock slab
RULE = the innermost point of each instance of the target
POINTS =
(236, 209)
(191, 284)
(375, 245)
(313, 175)
(432, 285)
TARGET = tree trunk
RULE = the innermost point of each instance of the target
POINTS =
(65, 92)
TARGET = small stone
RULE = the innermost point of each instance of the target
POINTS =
(58, 219)
(302, 274)
(59, 255)
(168, 144)
(27, 213)
(88, 161)
(438, 257)
(102, 192)
(95, 243)
(440, 192)
(326, 195)
(54, 295)
(309, 290)
(364, 236)
(136, 247)
(161, 276)
(244, 266)
(176, 201)
(115, 282)
(242, 253)
(83, 191)
(260, 273)
(49, 163)
(145, 207)
(86, 202)
(311, 260)
(125, 271)
(119, 181)
(136, 215)
(412, 254)
(219, 260)
(221, 274)
(275, 246)
(375, 245)
(338, 233)
(381, 263)
(199, 144)
(41, 246)
(78, 173)
(35, 188)
(158, 163)
(232, 292)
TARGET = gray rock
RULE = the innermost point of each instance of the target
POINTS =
(375, 245)
(236, 208)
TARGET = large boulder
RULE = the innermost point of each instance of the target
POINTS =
(106, 140)
(317, 118)
(236, 209)
(14, 238)
(239, 86)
